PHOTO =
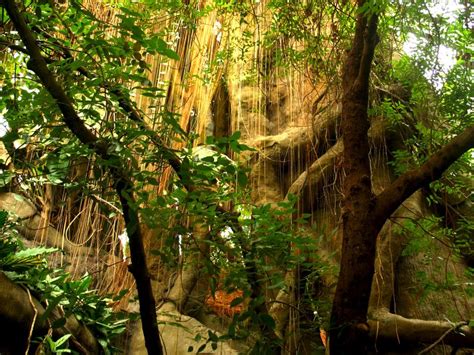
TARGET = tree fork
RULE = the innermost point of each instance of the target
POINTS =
(364, 214)
(123, 184)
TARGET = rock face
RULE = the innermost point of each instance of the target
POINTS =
(178, 333)
(17, 205)
(32, 225)
(21, 313)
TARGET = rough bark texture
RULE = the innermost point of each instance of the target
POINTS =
(389, 200)
(389, 329)
(349, 312)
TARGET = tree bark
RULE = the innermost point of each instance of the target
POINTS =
(349, 330)
(397, 330)
(390, 198)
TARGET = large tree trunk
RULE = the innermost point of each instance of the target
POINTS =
(359, 229)
(364, 213)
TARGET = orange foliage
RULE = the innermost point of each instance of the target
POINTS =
(221, 301)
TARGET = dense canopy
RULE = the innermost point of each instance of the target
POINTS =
(268, 176)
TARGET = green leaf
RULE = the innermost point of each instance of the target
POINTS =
(236, 301)
(32, 253)
(3, 218)
(58, 323)
(245, 315)
(104, 343)
(212, 336)
(51, 306)
(62, 340)
(267, 320)
(159, 45)
(235, 136)
(242, 178)
(130, 12)
(201, 348)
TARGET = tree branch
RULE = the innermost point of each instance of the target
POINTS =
(393, 196)
(283, 146)
(317, 171)
(391, 328)
(370, 42)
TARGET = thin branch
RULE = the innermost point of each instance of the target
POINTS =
(370, 42)
(392, 219)
(408, 330)
(288, 305)
(107, 203)
(446, 333)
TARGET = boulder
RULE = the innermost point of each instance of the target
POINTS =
(178, 333)
(17, 205)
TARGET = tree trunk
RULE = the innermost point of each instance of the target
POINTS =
(349, 330)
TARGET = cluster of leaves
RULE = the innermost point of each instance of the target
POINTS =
(435, 104)
(55, 288)
(425, 235)
(322, 26)
(247, 246)
(100, 64)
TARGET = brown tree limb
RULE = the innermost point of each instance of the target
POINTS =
(387, 327)
(389, 248)
(279, 147)
(123, 184)
(363, 213)
(393, 196)
(280, 307)
(316, 172)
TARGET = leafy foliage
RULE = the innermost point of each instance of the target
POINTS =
(428, 102)
(103, 66)
(29, 267)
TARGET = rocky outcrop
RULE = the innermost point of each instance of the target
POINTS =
(21, 320)
(180, 333)
(17, 205)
